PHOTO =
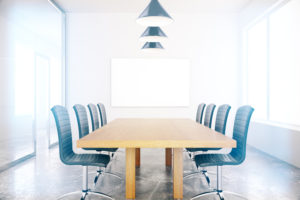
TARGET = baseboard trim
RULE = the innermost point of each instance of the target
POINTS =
(53, 145)
(16, 162)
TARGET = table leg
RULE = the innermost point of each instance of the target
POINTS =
(177, 173)
(137, 156)
(168, 156)
(130, 173)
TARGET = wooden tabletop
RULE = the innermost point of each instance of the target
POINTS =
(155, 133)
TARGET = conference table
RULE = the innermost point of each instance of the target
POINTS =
(173, 133)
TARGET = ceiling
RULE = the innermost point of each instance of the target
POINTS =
(137, 6)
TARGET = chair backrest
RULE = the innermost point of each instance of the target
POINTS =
(94, 116)
(64, 132)
(200, 112)
(102, 114)
(209, 115)
(221, 119)
(82, 120)
(240, 132)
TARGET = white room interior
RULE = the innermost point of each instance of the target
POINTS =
(193, 43)
(210, 34)
(211, 37)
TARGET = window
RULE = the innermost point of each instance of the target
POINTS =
(273, 65)
(257, 69)
(24, 80)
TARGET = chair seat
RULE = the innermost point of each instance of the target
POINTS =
(102, 149)
(206, 160)
(98, 160)
(202, 149)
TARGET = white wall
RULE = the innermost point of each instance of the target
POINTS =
(280, 142)
(210, 41)
(213, 43)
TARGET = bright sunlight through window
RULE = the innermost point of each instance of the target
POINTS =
(24, 80)
(273, 66)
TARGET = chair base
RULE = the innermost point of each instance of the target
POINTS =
(85, 190)
(103, 172)
(75, 179)
(196, 173)
(98, 173)
(219, 193)
(85, 193)
(219, 190)
(205, 174)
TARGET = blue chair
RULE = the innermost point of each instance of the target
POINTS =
(220, 126)
(200, 113)
(95, 125)
(83, 127)
(207, 121)
(102, 114)
(199, 116)
(235, 157)
(94, 116)
(103, 118)
(209, 113)
(68, 156)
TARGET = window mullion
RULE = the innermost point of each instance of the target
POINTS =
(268, 68)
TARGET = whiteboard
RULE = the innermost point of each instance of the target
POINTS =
(150, 82)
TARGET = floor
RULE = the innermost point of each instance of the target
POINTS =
(45, 177)
(15, 149)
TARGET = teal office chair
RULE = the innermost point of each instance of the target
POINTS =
(209, 113)
(95, 125)
(83, 127)
(235, 157)
(220, 126)
(68, 156)
(103, 119)
(102, 112)
(207, 121)
(94, 116)
(200, 113)
(199, 116)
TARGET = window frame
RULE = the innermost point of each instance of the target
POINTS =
(266, 15)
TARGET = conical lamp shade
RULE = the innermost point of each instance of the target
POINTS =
(153, 34)
(152, 47)
(154, 15)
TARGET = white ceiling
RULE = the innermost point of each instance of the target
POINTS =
(137, 6)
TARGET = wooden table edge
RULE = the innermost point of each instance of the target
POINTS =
(155, 144)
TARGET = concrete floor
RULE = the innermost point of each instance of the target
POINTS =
(45, 177)
(14, 147)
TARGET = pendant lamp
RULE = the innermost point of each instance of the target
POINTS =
(153, 34)
(154, 15)
(152, 47)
